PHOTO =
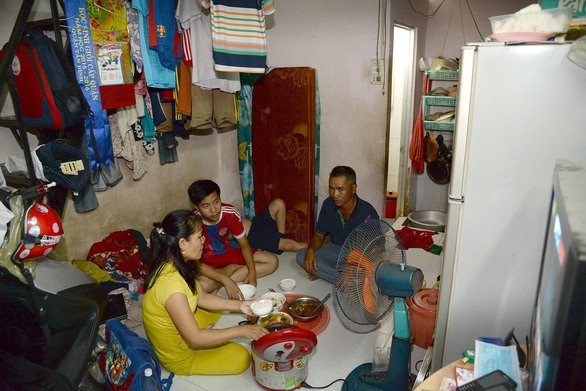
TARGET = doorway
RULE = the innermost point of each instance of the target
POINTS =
(400, 121)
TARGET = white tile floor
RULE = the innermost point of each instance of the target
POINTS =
(337, 353)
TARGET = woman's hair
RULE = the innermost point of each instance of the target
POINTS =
(165, 236)
(201, 189)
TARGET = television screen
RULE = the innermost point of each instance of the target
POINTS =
(557, 342)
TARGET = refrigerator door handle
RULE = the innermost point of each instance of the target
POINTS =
(463, 121)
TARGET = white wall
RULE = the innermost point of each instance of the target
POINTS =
(338, 40)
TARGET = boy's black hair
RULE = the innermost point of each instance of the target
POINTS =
(344, 171)
(199, 190)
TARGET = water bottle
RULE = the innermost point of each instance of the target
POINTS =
(150, 383)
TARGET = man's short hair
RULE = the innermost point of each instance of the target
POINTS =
(200, 189)
(344, 171)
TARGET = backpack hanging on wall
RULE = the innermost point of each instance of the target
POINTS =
(48, 92)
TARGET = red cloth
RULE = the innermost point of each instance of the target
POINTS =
(118, 251)
(114, 97)
(414, 238)
(417, 147)
(152, 28)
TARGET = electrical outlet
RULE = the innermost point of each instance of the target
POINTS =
(377, 71)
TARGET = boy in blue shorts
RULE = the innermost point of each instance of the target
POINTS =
(224, 264)
(267, 230)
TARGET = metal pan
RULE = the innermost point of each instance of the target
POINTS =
(432, 220)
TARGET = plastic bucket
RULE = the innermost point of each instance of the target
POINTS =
(422, 313)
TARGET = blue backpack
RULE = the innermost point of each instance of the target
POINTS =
(131, 363)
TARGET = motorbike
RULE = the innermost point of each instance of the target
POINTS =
(50, 310)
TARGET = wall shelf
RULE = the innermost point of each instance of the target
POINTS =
(443, 75)
(446, 102)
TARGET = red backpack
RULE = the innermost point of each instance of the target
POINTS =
(124, 251)
(48, 92)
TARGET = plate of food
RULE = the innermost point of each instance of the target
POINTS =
(304, 308)
(275, 318)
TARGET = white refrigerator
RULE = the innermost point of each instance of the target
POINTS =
(520, 108)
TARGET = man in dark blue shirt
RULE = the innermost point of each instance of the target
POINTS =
(339, 215)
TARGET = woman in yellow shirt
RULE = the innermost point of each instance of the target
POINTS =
(179, 316)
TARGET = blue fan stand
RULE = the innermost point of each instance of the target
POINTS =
(397, 376)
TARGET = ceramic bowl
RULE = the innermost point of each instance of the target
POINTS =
(248, 291)
(262, 307)
(287, 284)
(277, 298)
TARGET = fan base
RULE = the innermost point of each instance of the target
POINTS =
(362, 379)
(395, 379)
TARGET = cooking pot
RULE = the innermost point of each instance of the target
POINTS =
(280, 359)
(431, 220)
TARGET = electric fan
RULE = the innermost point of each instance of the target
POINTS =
(371, 279)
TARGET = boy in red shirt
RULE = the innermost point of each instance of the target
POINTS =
(222, 263)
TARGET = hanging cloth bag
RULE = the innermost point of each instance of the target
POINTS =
(417, 147)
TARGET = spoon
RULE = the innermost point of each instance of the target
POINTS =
(318, 306)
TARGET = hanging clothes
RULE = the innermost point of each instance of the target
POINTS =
(127, 140)
(183, 89)
(133, 35)
(203, 74)
(244, 134)
(186, 47)
(245, 51)
(165, 40)
(212, 109)
(156, 75)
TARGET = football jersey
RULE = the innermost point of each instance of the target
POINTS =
(217, 235)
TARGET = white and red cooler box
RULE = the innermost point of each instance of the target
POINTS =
(280, 358)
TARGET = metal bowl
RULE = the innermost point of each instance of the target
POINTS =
(432, 220)
(300, 308)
